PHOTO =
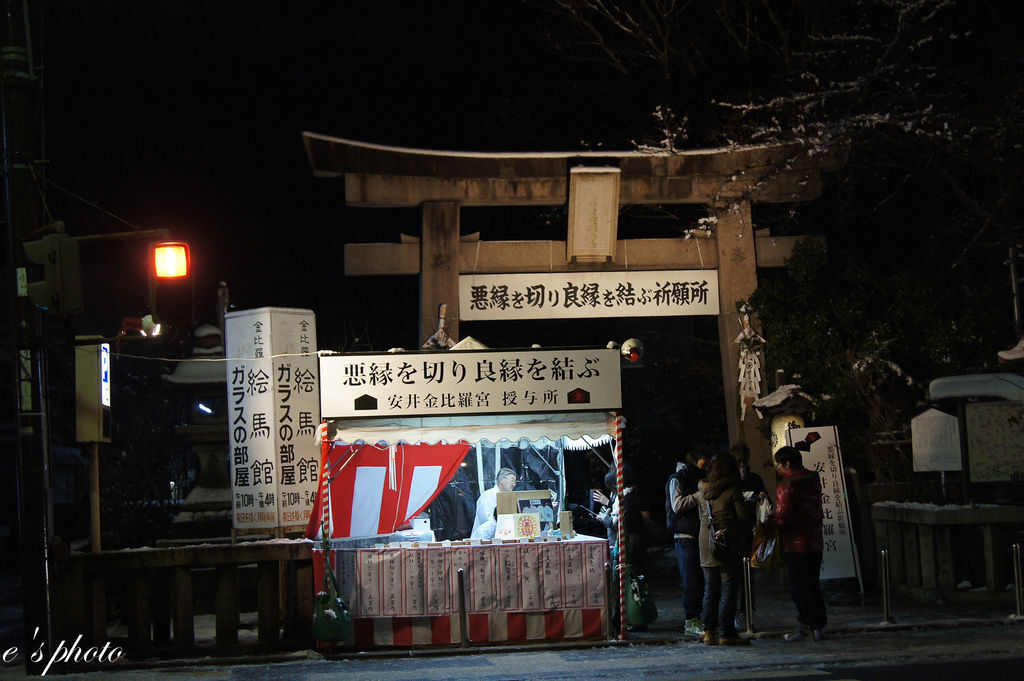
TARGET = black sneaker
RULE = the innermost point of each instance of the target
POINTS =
(800, 634)
(733, 641)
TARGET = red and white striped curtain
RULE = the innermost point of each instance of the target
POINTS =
(374, 489)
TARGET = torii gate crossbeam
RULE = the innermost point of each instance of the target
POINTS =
(728, 181)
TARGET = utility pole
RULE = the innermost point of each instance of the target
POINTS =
(18, 99)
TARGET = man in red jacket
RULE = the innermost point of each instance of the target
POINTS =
(798, 518)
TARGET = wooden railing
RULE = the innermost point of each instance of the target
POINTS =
(159, 592)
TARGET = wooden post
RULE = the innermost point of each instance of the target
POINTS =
(439, 267)
(184, 629)
(96, 599)
(161, 606)
(737, 279)
(138, 612)
(304, 600)
(226, 607)
(929, 570)
(268, 595)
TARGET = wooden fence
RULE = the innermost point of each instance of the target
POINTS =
(159, 593)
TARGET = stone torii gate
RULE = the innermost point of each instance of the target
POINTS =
(727, 181)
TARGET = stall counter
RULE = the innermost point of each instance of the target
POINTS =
(406, 594)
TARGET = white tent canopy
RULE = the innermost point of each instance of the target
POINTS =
(574, 425)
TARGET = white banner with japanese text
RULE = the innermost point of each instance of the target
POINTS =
(274, 409)
(462, 382)
(577, 295)
(820, 449)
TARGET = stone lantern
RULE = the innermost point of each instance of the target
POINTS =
(206, 511)
(786, 407)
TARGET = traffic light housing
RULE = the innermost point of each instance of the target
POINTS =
(171, 293)
(54, 275)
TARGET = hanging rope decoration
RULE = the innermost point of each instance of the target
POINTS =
(750, 344)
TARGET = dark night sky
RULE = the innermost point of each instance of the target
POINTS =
(187, 115)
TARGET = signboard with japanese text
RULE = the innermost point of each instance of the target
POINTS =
(577, 295)
(274, 409)
(995, 440)
(479, 382)
(820, 449)
(935, 440)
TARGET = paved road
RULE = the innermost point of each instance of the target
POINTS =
(956, 654)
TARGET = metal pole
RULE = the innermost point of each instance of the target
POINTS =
(748, 596)
(1018, 592)
(608, 597)
(463, 619)
(965, 463)
(886, 599)
(23, 216)
(223, 302)
(94, 498)
(1018, 318)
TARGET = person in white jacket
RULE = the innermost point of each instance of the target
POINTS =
(504, 481)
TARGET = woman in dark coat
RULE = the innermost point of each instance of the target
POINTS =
(719, 499)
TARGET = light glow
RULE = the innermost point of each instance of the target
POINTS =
(170, 260)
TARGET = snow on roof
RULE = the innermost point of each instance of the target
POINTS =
(781, 396)
(198, 372)
(1005, 385)
(205, 331)
(630, 153)
(469, 343)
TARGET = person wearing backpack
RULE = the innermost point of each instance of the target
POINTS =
(685, 528)
(724, 519)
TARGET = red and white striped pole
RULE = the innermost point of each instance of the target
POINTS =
(620, 422)
(325, 492)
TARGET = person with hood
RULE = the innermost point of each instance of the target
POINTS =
(611, 513)
(685, 528)
(755, 493)
(719, 501)
(798, 518)
(615, 508)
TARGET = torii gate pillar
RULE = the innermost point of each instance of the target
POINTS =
(439, 267)
(737, 279)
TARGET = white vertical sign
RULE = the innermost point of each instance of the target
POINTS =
(105, 374)
(820, 449)
(273, 401)
(935, 440)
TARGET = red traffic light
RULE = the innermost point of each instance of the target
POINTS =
(170, 260)
(171, 294)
